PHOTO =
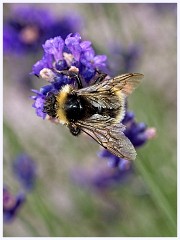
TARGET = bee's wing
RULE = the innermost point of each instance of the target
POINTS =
(110, 137)
(103, 128)
(125, 82)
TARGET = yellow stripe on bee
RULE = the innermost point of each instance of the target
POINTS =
(61, 99)
(121, 114)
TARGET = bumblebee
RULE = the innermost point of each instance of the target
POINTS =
(96, 110)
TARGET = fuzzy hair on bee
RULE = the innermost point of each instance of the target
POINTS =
(97, 110)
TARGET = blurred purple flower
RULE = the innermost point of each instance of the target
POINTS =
(121, 59)
(63, 55)
(28, 27)
(11, 204)
(102, 178)
(164, 7)
(25, 29)
(25, 170)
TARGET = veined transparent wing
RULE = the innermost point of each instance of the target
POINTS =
(125, 82)
(110, 137)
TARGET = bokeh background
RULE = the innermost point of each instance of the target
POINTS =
(136, 38)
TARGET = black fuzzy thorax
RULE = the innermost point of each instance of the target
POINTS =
(79, 108)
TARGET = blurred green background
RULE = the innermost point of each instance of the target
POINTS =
(146, 205)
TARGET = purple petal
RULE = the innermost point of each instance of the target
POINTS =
(85, 45)
(45, 62)
(73, 44)
(99, 61)
(54, 46)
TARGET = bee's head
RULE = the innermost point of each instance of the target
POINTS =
(50, 105)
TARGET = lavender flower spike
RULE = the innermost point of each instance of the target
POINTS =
(25, 170)
(102, 178)
(28, 27)
(62, 55)
(11, 204)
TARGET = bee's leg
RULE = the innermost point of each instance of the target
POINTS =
(75, 75)
(79, 81)
(100, 76)
(74, 129)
